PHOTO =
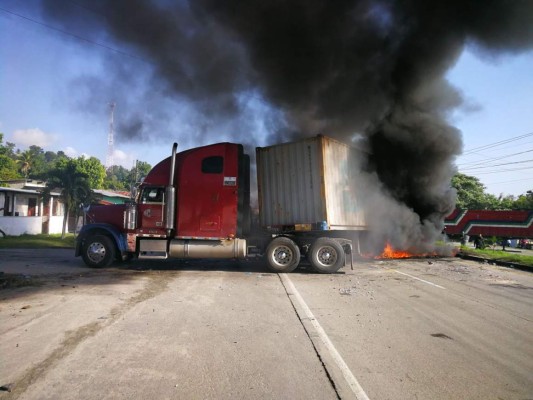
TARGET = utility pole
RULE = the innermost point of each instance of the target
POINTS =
(109, 159)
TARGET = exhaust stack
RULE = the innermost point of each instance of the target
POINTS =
(170, 195)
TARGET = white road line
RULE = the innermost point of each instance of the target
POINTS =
(421, 280)
(348, 376)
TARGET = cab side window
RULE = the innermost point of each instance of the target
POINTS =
(213, 165)
(152, 194)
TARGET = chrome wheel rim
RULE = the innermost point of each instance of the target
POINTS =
(96, 252)
(327, 256)
(282, 255)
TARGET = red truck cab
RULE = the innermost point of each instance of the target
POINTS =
(207, 193)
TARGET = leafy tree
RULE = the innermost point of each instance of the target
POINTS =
(524, 201)
(7, 149)
(491, 202)
(505, 202)
(142, 170)
(73, 185)
(93, 168)
(117, 178)
(112, 183)
(8, 169)
(51, 157)
(470, 192)
(10, 150)
(39, 166)
(471, 195)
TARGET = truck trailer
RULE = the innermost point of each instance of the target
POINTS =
(196, 205)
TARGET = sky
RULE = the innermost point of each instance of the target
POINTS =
(45, 70)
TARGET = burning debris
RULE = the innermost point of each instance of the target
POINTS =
(389, 252)
(369, 72)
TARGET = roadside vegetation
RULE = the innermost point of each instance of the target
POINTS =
(471, 195)
(499, 255)
(37, 241)
(40, 164)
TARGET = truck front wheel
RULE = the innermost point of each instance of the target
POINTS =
(98, 251)
(283, 255)
(326, 255)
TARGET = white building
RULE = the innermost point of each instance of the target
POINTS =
(23, 210)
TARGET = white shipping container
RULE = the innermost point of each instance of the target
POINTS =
(310, 182)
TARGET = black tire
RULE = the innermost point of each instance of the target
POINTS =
(127, 257)
(326, 255)
(98, 251)
(283, 255)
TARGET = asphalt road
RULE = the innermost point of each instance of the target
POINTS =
(401, 329)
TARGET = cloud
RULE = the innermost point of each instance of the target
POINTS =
(71, 152)
(34, 136)
(123, 159)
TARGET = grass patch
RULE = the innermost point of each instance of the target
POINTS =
(499, 255)
(42, 241)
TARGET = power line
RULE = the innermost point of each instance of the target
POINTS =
(486, 166)
(104, 46)
(76, 36)
(474, 163)
(496, 165)
(475, 157)
(503, 170)
(514, 180)
(489, 146)
(84, 7)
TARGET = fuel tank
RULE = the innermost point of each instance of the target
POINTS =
(235, 248)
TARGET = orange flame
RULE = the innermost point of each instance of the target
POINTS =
(389, 252)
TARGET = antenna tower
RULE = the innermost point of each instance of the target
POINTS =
(109, 159)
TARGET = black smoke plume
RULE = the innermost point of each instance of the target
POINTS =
(365, 71)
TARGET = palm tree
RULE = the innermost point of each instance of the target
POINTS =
(73, 186)
(25, 159)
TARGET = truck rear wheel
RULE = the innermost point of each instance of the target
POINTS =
(326, 255)
(98, 251)
(283, 255)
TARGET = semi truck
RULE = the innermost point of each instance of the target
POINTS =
(195, 204)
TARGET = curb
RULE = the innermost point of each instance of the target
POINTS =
(507, 264)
